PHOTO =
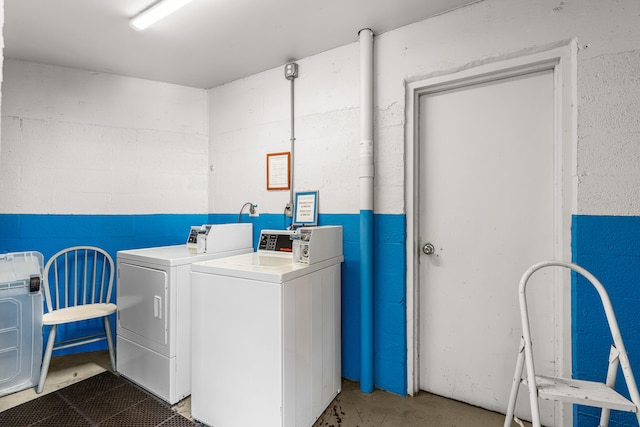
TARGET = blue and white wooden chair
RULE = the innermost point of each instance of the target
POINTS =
(78, 282)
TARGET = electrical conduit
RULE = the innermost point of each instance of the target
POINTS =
(292, 148)
(366, 210)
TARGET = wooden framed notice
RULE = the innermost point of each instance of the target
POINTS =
(279, 171)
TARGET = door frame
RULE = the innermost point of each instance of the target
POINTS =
(561, 58)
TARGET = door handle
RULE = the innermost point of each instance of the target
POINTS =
(157, 307)
(428, 249)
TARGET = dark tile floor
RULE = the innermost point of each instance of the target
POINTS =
(104, 400)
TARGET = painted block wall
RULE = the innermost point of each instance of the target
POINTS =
(606, 171)
(606, 229)
(240, 122)
(251, 117)
(609, 247)
(50, 233)
(90, 158)
(1, 56)
(606, 164)
(606, 154)
(77, 142)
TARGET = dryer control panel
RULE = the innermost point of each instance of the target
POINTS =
(275, 241)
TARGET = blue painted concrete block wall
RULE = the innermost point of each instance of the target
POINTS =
(609, 247)
(50, 233)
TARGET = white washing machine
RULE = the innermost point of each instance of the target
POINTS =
(266, 346)
(154, 304)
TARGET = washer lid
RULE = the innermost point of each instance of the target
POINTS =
(257, 266)
(173, 255)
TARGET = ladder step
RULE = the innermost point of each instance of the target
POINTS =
(589, 393)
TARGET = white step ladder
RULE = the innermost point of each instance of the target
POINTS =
(589, 393)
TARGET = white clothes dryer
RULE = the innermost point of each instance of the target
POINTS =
(154, 304)
(266, 346)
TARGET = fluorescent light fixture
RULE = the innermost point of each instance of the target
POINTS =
(156, 12)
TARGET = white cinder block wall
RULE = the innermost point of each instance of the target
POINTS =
(609, 120)
(251, 117)
(1, 57)
(256, 109)
(78, 142)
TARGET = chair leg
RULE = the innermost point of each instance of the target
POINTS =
(46, 359)
(107, 330)
(515, 385)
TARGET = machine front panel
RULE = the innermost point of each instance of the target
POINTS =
(142, 303)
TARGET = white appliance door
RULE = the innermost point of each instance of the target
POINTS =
(142, 305)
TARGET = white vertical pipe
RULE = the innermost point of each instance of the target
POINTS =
(366, 210)
(366, 119)
(293, 140)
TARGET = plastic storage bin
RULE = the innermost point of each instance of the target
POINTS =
(20, 320)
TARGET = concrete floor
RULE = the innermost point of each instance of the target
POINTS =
(351, 408)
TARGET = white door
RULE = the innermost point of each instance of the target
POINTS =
(486, 203)
(143, 306)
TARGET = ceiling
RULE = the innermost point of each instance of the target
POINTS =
(205, 44)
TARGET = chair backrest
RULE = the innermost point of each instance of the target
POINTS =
(78, 275)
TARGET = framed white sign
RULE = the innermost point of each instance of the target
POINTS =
(278, 171)
(306, 208)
